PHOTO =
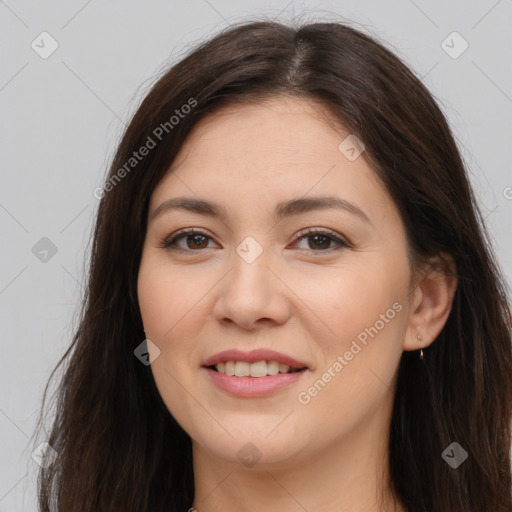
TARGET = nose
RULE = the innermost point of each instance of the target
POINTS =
(252, 294)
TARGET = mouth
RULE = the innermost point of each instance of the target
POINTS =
(254, 374)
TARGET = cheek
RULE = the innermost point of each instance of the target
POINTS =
(361, 313)
(172, 302)
(348, 300)
(166, 308)
(164, 299)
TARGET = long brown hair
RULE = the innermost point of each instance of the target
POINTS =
(118, 446)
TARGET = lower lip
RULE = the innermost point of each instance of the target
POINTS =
(253, 387)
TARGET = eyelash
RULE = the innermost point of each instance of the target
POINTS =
(168, 242)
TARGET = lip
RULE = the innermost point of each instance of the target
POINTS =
(253, 357)
(253, 387)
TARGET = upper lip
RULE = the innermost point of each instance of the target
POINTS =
(252, 357)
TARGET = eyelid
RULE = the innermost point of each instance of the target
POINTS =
(322, 231)
(166, 242)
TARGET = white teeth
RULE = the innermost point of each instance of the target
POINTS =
(272, 367)
(242, 369)
(258, 369)
(229, 368)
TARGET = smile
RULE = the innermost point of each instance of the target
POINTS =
(253, 374)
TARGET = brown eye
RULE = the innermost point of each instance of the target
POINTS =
(196, 241)
(320, 241)
(193, 240)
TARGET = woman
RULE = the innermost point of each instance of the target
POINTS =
(292, 302)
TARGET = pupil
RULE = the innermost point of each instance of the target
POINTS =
(195, 239)
(326, 239)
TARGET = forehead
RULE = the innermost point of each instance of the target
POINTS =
(262, 153)
(293, 128)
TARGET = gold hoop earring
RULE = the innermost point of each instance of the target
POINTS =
(421, 350)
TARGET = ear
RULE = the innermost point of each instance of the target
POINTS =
(431, 302)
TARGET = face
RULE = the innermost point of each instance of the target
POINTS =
(270, 267)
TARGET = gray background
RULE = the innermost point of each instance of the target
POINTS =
(61, 118)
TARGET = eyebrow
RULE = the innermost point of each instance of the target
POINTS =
(283, 209)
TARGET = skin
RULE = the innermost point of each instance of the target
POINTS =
(303, 296)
